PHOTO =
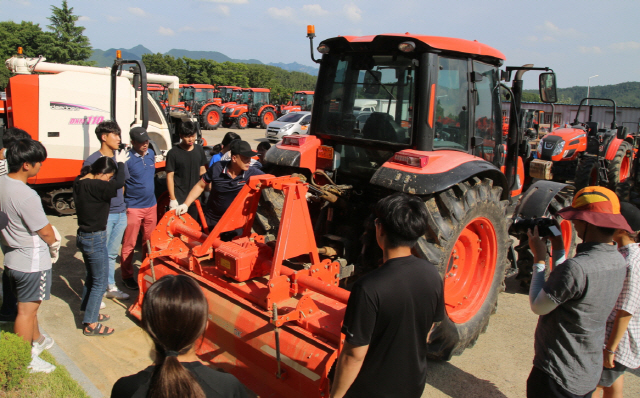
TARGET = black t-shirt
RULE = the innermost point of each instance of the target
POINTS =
(224, 189)
(214, 384)
(391, 310)
(93, 200)
(186, 168)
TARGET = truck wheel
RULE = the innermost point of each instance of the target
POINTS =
(267, 117)
(242, 122)
(211, 118)
(468, 242)
(586, 172)
(618, 168)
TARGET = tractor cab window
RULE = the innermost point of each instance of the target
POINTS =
(487, 111)
(384, 83)
(246, 97)
(203, 94)
(452, 105)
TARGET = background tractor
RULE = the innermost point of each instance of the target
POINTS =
(279, 288)
(300, 101)
(253, 107)
(585, 153)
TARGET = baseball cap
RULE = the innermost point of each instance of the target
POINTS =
(4, 220)
(138, 134)
(598, 206)
(239, 147)
(631, 214)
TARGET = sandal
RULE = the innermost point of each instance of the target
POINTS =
(98, 330)
(103, 317)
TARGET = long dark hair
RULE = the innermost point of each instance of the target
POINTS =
(174, 300)
(103, 165)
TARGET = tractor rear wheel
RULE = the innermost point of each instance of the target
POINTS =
(468, 242)
(211, 118)
(619, 168)
(586, 172)
(266, 118)
(242, 122)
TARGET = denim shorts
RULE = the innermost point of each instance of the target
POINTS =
(610, 375)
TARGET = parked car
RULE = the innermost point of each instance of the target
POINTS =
(290, 124)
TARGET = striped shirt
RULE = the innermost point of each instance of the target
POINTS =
(628, 352)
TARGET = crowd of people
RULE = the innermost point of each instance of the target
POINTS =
(588, 330)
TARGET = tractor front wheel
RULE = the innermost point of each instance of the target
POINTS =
(468, 242)
(211, 118)
(242, 122)
(267, 117)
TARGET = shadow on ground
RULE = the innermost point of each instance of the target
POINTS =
(457, 383)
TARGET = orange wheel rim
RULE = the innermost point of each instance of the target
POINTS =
(213, 118)
(243, 121)
(470, 270)
(625, 168)
(268, 118)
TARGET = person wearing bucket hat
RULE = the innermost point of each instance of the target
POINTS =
(622, 337)
(577, 298)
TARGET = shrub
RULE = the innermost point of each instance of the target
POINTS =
(15, 356)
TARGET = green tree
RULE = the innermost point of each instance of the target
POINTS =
(27, 35)
(68, 44)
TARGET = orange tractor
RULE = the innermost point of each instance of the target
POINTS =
(277, 292)
(300, 101)
(585, 153)
(253, 107)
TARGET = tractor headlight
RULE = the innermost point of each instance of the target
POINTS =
(558, 149)
(286, 127)
(285, 111)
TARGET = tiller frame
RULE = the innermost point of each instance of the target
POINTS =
(275, 328)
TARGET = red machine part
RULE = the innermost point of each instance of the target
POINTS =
(274, 327)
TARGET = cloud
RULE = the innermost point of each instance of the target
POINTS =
(113, 19)
(137, 11)
(227, 1)
(200, 29)
(281, 13)
(84, 18)
(590, 50)
(625, 46)
(166, 31)
(354, 14)
(550, 29)
(314, 10)
(531, 39)
(224, 10)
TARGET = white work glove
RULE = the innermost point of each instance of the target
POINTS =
(181, 209)
(122, 156)
(173, 204)
(54, 249)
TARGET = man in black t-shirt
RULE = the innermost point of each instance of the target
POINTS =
(391, 311)
(185, 164)
(226, 179)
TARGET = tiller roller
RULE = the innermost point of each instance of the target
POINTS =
(275, 327)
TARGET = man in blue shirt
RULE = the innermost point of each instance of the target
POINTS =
(227, 179)
(139, 195)
(108, 133)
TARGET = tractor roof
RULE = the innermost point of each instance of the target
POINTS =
(231, 87)
(434, 42)
(258, 90)
(198, 85)
(304, 92)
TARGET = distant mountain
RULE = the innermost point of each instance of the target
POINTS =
(105, 58)
(296, 67)
(625, 94)
(212, 55)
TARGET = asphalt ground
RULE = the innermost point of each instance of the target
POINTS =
(498, 365)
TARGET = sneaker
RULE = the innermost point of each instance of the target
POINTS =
(130, 283)
(114, 293)
(102, 305)
(38, 348)
(40, 365)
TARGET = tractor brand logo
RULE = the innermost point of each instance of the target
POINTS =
(63, 106)
(86, 120)
(548, 145)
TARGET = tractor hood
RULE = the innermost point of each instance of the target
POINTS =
(562, 144)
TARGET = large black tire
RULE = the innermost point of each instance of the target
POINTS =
(619, 167)
(466, 210)
(242, 122)
(266, 118)
(211, 117)
(586, 172)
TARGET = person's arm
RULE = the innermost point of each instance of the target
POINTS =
(202, 170)
(118, 181)
(195, 192)
(539, 302)
(349, 365)
(170, 186)
(620, 325)
(47, 234)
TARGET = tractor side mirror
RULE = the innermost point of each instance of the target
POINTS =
(622, 132)
(548, 88)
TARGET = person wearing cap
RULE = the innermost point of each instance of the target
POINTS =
(139, 195)
(577, 298)
(622, 340)
(227, 179)
(186, 163)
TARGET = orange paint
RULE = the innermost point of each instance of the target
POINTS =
(432, 101)
(22, 98)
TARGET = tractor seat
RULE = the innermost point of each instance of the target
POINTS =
(592, 128)
(381, 127)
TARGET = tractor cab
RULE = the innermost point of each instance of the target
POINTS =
(300, 101)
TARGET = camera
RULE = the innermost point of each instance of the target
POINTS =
(122, 146)
(547, 227)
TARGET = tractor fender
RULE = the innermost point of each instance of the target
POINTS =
(443, 170)
(207, 106)
(612, 148)
(536, 199)
(265, 108)
(303, 156)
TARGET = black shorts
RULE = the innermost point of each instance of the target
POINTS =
(30, 286)
(610, 375)
(541, 385)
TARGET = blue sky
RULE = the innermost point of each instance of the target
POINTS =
(578, 39)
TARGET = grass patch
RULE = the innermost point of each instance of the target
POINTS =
(57, 384)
